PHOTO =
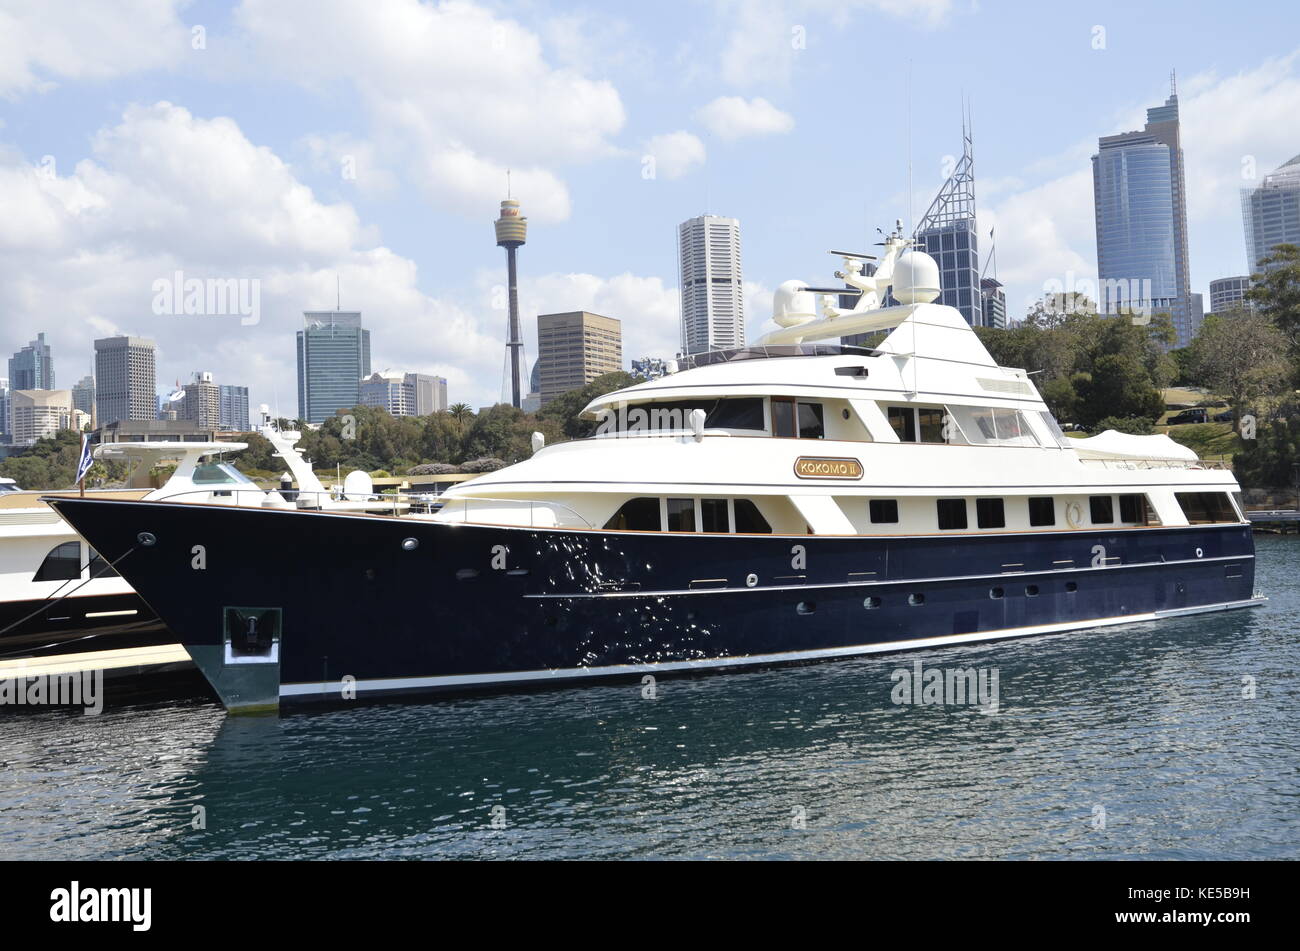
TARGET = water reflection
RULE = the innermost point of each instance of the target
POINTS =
(1145, 722)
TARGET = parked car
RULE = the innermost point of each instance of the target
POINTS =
(1196, 415)
(1227, 416)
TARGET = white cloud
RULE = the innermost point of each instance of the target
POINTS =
(353, 161)
(451, 80)
(168, 191)
(734, 117)
(674, 153)
(460, 181)
(42, 43)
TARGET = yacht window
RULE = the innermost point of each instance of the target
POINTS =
(985, 426)
(749, 520)
(884, 510)
(1101, 508)
(783, 416)
(99, 568)
(1042, 510)
(796, 418)
(636, 515)
(952, 513)
(219, 473)
(1203, 507)
(63, 563)
(990, 513)
(903, 419)
(1133, 509)
(736, 414)
(811, 425)
(1049, 421)
(931, 425)
(681, 515)
(713, 515)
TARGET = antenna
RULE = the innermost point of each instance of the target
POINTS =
(338, 294)
(1173, 82)
(508, 192)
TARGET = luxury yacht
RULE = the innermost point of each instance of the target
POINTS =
(790, 501)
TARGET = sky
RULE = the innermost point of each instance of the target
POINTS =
(328, 150)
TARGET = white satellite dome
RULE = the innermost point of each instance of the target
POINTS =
(793, 304)
(916, 278)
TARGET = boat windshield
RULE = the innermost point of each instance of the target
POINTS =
(219, 473)
(9, 485)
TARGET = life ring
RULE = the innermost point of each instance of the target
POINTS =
(1074, 515)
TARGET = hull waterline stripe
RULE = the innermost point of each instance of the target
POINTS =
(329, 688)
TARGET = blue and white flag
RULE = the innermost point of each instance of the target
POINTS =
(86, 461)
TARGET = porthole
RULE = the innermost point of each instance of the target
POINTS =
(1031, 591)
(146, 539)
(871, 603)
(916, 598)
(806, 607)
(1071, 586)
(996, 593)
(410, 544)
(751, 580)
(845, 413)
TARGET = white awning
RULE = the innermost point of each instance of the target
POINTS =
(1114, 445)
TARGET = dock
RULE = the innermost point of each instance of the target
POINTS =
(1281, 521)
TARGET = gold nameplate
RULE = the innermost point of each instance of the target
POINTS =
(827, 467)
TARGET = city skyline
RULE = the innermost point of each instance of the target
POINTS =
(343, 191)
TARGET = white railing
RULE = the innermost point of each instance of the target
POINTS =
(1158, 463)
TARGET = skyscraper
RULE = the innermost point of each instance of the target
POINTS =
(83, 395)
(713, 300)
(575, 348)
(993, 303)
(333, 356)
(1228, 292)
(32, 367)
(389, 391)
(1140, 204)
(948, 234)
(1272, 213)
(40, 413)
(234, 408)
(125, 380)
(202, 402)
(430, 393)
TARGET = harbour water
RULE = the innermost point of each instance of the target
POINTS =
(1132, 742)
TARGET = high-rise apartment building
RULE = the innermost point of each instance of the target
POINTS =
(234, 408)
(713, 298)
(1140, 204)
(125, 380)
(333, 357)
(993, 303)
(1271, 213)
(574, 348)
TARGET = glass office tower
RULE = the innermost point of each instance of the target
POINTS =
(1272, 213)
(1140, 204)
(333, 357)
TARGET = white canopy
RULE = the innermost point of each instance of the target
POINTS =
(1115, 445)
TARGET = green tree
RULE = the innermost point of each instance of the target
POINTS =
(1240, 355)
(1276, 292)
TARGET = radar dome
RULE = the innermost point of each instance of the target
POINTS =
(793, 304)
(916, 278)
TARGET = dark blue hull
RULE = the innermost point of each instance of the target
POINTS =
(77, 624)
(470, 607)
